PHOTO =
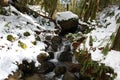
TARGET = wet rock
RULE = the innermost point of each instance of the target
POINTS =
(46, 67)
(37, 38)
(72, 67)
(26, 67)
(38, 32)
(58, 31)
(68, 26)
(83, 28)
(59, 70)
(65, 57)
(67, 48)
(26, 34)
(48, 38)
(56, 42)
(54, 47)
(16, 75)
(51, 55)
(35, 77)
(69, 76)
(47, 48)
(42, 57)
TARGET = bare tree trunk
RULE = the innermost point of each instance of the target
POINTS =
(116, 43)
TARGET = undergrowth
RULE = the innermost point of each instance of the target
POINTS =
(93, 70)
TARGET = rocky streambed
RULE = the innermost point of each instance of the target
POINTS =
(63, 60)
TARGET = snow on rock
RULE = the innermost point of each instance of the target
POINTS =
(65, 16)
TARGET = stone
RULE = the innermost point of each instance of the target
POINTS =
(83, 27)
(27, 67)
(48, 38)
(65, 57)
(46, 67)
(68, 22)
(69, 76)
(67, 48)
(35, 77)
(47, 45)
(16, 75)
(59, 70)
(42, 57)
(69, 26)
(51, 55)
(56, 42)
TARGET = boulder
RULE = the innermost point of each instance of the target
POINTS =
(27, 68)
(42, 57)
(59, 70)
(46, 67)
(68, 22)
(65, 57)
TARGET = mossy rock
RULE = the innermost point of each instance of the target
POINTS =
(118, 20)
(34, 42)
(10, 38)
(26, 34)
(22, 45)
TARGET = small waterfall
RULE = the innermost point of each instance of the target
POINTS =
(65, 46)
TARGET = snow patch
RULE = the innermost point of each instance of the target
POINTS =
(65, 16)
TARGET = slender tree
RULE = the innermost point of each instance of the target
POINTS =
(50, 6)
(116, 42)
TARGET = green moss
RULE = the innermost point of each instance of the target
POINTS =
(26, 34)
(106, 49)
(118, 20)
(7, 24)
(22, 45)
(34, 42)
(37, 38)
(10, 38)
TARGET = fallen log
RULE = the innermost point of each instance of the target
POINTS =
(27, 10)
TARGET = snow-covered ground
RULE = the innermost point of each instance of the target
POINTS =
(101, 37)
(11, 51)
